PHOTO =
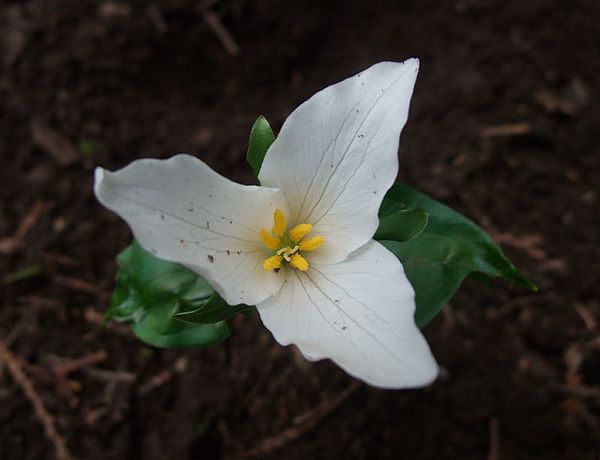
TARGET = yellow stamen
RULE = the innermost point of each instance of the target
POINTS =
(269, 240)
(272, 263)
(312, 243)
(299, 262)
(299, 232)
(278, 223)
(276, 241)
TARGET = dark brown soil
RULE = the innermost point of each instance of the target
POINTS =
(120, 81)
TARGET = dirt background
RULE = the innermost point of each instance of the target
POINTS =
(87, 83)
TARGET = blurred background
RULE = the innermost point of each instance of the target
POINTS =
(503, 127)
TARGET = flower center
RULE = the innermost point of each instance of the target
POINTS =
(288, 246)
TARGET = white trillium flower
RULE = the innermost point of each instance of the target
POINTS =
(300, 247)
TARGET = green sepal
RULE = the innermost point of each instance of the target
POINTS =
(151, 291)
(261, 138)
(450, 248)
(402, 225)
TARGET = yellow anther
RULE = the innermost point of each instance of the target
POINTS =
(272, 263)
(299, 232)
(278, 223)
(269, 240)
(311, 244)
(299, 262)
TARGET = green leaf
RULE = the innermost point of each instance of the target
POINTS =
(151, 291)
(402, 225)
(261, 138)
(210, 311)
(158, 328)
(450, 248)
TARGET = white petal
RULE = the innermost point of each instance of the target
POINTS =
(183, 211)
(359, 313)
(336, 155)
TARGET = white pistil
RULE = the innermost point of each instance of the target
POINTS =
(286, 252)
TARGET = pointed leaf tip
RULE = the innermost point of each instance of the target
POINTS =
(449, 249)
(261, 138)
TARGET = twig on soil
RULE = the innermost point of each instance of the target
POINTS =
(9, 245)
(514, 129)
(54, 258)
(156, 381)
(62, 370)
(13, 243)
(111, 376)
(568, 101)
(94, 317)
(482, 218)
(40, 303)
(33, 215)
(16, 331)
(15, 370)
(578, 391)
(68, 388)
(515, 304)
(54, 143)
(574, 408)
(206, 4)
(494, 452)
(528, 243)
(77, 284)
(157, 18)
(214, 22)
(586, 315)
(163, 377)
(301, 425)
(25, 273)
(92, 416)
